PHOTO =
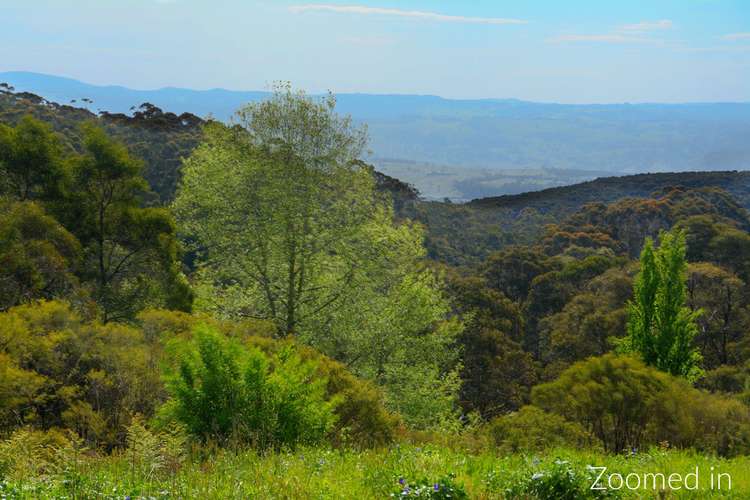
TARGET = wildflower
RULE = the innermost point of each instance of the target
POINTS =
(437, 486)
(401, 481)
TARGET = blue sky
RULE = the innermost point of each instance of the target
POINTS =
(553, 50)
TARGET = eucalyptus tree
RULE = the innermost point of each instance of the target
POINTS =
(130, 251)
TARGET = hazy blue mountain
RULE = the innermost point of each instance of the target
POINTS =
(485, 134)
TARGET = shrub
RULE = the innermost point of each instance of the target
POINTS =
(710, 423)
(361, 417)
(532, 429)
(224, 391)
(626, 404)
(58, 370)
(613, 397)
(151, 452)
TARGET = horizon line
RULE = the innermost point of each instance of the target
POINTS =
(374, 94)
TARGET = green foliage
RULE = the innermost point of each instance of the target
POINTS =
(298, 235)
(444, 488)
(497, 373)
(660, 326)
(627, 405)
(559, 481)
(721, 295)
(59, 370)
(225, 392)
(533, 430)
(371, 474)
(151, 452)
(31, 165)
(613, 397)
(361, 418)
(588, 324)
(39, 257)
(27, 452)
(130, 251)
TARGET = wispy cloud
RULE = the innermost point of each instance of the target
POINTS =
(627, 33)
(737, 36)
(411, 14)
(643, 26)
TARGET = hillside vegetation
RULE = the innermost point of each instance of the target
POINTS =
(252, 310)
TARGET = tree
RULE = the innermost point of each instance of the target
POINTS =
(613, 397)
(497, 374)
(588, 323)
(661, 328)
(725, 319)
(289, 227)
(130, 251)
(512, 270)
(31, 162)
(38, 257)
(283, 206)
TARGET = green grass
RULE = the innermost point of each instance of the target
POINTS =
(319, 473)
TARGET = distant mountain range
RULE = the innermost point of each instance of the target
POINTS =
(420, 136)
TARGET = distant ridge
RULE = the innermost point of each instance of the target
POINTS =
(492, 134)
(609, 189)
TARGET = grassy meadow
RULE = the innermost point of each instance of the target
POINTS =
(324, 473)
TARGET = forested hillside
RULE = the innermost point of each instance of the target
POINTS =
(183, 301)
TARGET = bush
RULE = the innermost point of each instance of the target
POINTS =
(226, 392)
(613, 397)
(626, 404)
(361, 417)
(710, 423)
(58, 370)
(532, 429)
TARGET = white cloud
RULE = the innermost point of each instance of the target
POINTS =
(628, 33)
(664, 24)
(411, 14)
(737, 36)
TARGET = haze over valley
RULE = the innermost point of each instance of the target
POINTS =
(466, 149)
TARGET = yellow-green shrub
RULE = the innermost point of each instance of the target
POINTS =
(626, 404)
(61, 371)
(532, 429)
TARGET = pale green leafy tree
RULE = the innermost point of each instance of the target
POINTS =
(289, 226)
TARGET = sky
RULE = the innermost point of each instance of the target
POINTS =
(568, 51)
